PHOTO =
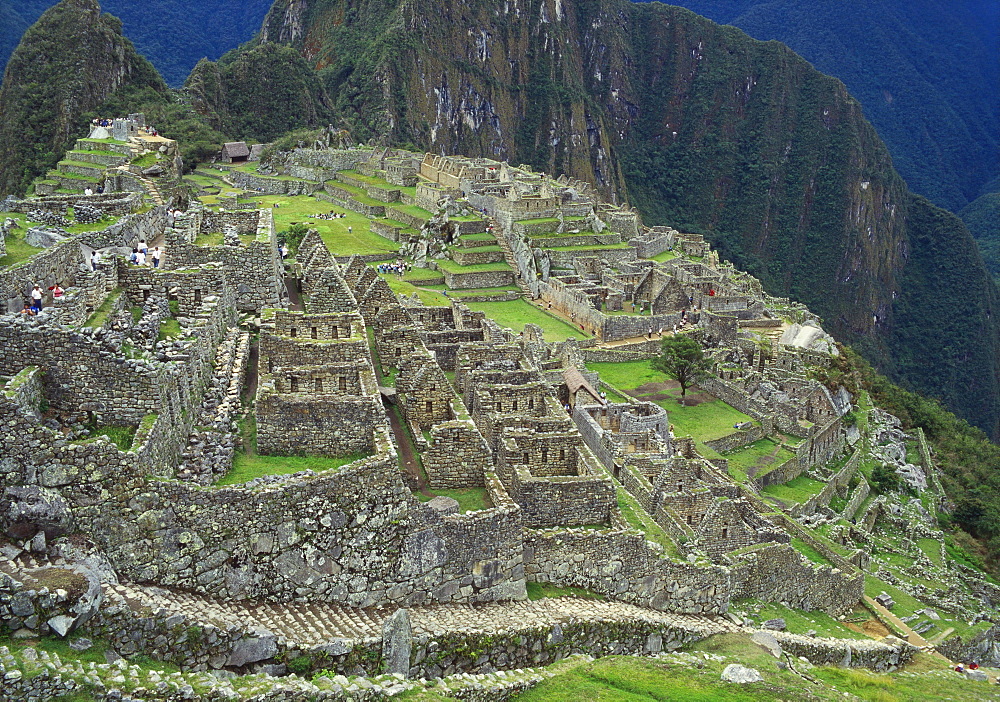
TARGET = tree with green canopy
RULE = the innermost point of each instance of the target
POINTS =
(682, 358)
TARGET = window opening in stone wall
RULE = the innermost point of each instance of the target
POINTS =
(293, 384)
(343, 384)
(430, 406)
(513, 406)
(319, 385)
(545, 456)
(526, 457)
(725, 532)
(562, 454)
(315, 333)
(690, 520)
(293, 332)
(197, 295)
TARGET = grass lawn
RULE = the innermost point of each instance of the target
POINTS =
(120, 436)
(210, 239)
(798, 490)
(595, 247)
(799, 621)
(18, 250)
(665, 256)
(246, 467)
(452, 267)
(338, 239)
(538, 591)
(431, 298)
(516, 313)
(765, 454)
(469, 499)
(170, 328)
(705, 421)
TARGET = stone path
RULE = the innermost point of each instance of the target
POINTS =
(911, 636)
(310, 624)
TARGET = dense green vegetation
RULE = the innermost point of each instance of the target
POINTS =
(982, 217)
(926, 73)
(196, 30)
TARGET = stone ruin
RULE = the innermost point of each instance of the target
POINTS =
(349, 568)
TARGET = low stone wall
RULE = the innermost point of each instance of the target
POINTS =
(621, 564)
(778, 573)
(486, 279)
(881, 656)
(272, 186)
(346, 200)
(471, 257)
(58, 264)
(458, 456)
(580, 239)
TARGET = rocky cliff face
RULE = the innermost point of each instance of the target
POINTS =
(71, 61)
(697, 125)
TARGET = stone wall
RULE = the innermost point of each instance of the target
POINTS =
(484, 279)
(130, 230)
(736, 440)
(778, 573)
(458, 456)
(354, 536)
(62, 263)
(620, 563)
(272, 186)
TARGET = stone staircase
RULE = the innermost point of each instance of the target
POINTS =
(312, 624)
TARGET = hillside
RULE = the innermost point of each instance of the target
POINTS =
(196, 30)
(926, 72)
(69, 62)
(700, 127)
(982, 217)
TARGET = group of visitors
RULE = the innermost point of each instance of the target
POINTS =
(99, 122)
(141, 253)
(331, 215)
(34, 306)
(398, 268)
(89, 191)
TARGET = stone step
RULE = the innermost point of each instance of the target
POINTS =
(311, 624)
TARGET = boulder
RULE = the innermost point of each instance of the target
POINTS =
(444, 505)
(736, 673)
(43, 238)
(767, 642)
(977, 675)
(253, 649)
(27, 510)
(775, 624)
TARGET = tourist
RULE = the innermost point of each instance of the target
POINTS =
(57, 291)
(134, 256)
(29, 310)
(650, 333)
(95, 260)
(282, 251)
(36, 298)
(350, 229)
(156, 256)
(100, 189)
(140, 258)
(143, 248)
(88, 192)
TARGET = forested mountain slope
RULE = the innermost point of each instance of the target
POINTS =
(173, 34)
(926, 71)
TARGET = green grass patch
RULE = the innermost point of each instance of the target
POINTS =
(469, 499)
(586, 247)
(210, 239)
(809, 552)
(637, 517)
(170, 328)
(452, 267)
(665, 256)
(431, 298)
(797, 490)
(799, 621)
(538, 591)
(247, 467)
(514, 314)
(145, 161)
(344, 237)
(101, 314)
(18, 250)
(482, 236)
(763, 455)
(121, 437)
